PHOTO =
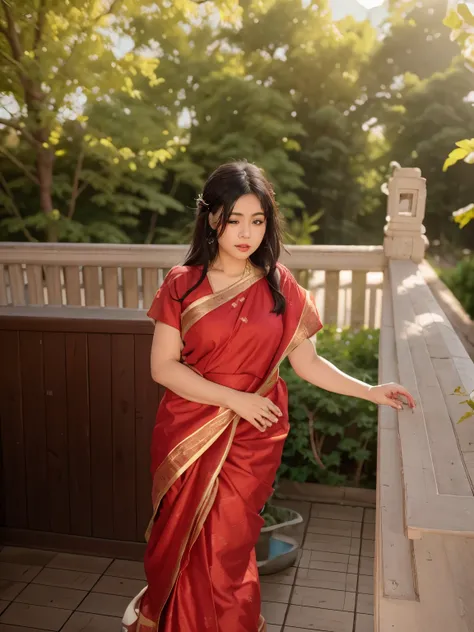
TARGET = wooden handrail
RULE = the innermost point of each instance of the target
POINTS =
(166, 256)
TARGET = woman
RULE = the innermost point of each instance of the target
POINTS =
(224, 323)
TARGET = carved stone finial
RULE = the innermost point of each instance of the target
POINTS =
(404, 231)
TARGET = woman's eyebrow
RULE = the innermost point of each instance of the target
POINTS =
(253, 215)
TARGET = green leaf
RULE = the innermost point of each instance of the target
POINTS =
(454, 157)
(466, 15)
(466, 416)
(452, 20)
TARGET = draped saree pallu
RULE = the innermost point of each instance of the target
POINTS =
(213, 472)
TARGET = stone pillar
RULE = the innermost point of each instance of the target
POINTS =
(404, 231)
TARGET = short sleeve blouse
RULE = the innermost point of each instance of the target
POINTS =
(166, 308)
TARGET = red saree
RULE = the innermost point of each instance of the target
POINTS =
(212, 472)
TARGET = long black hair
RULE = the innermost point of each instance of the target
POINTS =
(223, 188)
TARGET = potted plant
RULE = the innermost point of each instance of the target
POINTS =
(276, 550)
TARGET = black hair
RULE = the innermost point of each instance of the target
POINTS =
(223, 188)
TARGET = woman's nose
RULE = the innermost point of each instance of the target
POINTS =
(244, 232)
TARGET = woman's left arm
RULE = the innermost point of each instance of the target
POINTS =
(316, 370)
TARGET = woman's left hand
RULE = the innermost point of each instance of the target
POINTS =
(390, 395)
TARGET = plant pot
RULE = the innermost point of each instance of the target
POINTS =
(274, 549)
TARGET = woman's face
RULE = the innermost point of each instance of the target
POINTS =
(245, 230)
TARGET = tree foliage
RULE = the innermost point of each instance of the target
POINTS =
(113, 112)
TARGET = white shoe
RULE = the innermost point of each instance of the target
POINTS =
(130, 617)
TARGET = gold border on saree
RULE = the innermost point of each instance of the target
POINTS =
(206, 304)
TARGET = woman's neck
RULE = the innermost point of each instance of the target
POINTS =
(230, 266)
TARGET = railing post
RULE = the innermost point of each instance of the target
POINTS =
(404, 231)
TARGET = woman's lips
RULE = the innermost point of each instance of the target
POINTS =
(243, 248)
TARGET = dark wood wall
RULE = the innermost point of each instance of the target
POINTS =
(77, 409)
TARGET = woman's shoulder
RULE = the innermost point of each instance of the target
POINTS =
(183, 275)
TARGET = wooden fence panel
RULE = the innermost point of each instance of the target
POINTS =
(123, 414)
(73, 285)
(358, 298)
(130, 287)
(54, 346)
(147, 396)
(3, 286)
(17, 284)
(91, 285)
(34, 274)
(13, 501)
(53, 283)
(34, 424)
(150, 285)
(111, 287)
(100, 397)
(78, 433)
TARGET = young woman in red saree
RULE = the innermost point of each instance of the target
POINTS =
(224, 323)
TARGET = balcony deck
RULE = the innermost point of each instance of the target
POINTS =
(330, 589)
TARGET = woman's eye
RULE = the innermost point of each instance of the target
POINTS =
(233, 221)
(258, 222)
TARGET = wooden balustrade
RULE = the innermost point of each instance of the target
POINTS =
(347, 280)
(424, 566)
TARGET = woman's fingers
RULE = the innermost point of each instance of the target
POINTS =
(273, 407)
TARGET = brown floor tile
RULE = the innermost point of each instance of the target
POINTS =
(369, 515)
(18, 572)
(323, 598)
(322, 560)
(327, 526)
(274, 612)
(275, 592)
(320, 619)
(365, 604)
(3, 605)
(119, 586)
(84, 622)
(364, 623)
(366, 584)
(84, 563)
(16, 628)
(125, 568)
(29, 557)
(332, 543)
(366, 566)
(274, 628)
(53, 596)
(368, 548)
(368, 531)
(23, 614)
(337, 512)
(66, 579)
(9, 590)
(283, 577)
(98, 603)
(326, 579)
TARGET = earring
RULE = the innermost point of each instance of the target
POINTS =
(211, 239)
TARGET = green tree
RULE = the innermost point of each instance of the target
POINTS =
(59, 58)
(461, 21)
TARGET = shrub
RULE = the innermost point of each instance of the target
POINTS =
(460, 281)
(345, 428)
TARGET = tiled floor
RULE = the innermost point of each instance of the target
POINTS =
(329, 591)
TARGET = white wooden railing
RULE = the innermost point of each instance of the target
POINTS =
(347, 280)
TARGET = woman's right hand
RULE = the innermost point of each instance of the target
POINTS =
(260, 411)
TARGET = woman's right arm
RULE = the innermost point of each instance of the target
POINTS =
(167, 369)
